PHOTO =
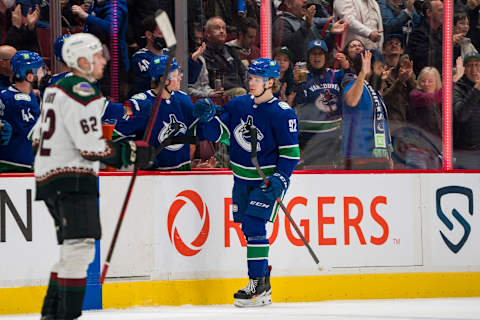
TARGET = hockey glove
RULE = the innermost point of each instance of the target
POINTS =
(275, 186)
(5, 132)
(205, 110)
(141, 154)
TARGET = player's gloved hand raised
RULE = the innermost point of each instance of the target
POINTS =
(275, 185)
(5, 132)
(205, 110)
(142, 154)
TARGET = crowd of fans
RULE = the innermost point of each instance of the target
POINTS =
(364, 76)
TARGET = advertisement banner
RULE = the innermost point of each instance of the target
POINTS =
(28, 246)
(451, 219)
(346, 226)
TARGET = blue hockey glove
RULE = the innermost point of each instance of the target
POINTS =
(275, 186)
(205, 110)
(5, 132)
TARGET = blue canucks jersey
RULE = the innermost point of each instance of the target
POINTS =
(58, 76)
(21, 111)
(140, 62)
(4, 82)
(133, 128)
(174, 118)
(277, 148)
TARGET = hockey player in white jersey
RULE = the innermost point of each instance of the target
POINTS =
(69, 150)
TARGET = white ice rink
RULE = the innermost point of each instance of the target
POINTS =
(401, 309)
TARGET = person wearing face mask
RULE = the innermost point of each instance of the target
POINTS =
(19, 106)
(320, 116)
(156, 45)
(366, 142)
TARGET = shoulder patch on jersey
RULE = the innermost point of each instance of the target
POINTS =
(83, 89)
(140, 96)
(22, 96)
(79, 89)
(284, 105)
(184, 93)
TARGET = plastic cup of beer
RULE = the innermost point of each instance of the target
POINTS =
(301, 75)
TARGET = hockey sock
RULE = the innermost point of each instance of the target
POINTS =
(71, 293)
(50, 303)
(257, 256)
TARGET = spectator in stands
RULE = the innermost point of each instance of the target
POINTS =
(350, 51)
(461, 44)
(294, 28)
(466, 115)
(284, 58)
(201, 87)
(473, 11)
(223, 62)
(19, 106)
(22, 34)
(425, 112)
(98, 21)
(364, 21)
(6, 53)
(5, 18)
(366, 142)
(398, 16)
(400, 80)
(245, 44)
(138, 11)
(425, 42)
(320, 117)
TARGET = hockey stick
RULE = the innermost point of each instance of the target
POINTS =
(163, 22)
(253, 143)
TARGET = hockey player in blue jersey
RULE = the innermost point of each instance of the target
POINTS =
(320, 116)
(174, 117)
(19, 106)
(57, 50)
(254, 203)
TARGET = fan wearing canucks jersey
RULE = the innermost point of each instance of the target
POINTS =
(19, 106)
(254, 202)
(320, 116)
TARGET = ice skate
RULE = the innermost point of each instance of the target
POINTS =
(255, 294)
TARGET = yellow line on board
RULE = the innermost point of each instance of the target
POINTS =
(295, 289)
(285, 289)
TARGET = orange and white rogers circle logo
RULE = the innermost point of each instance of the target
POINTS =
(195, 246)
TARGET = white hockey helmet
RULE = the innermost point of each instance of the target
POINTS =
(80, 45)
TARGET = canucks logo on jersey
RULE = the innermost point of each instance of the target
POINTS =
(172, 128)
(242, 134)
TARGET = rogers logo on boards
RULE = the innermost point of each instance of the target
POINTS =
(196, 245)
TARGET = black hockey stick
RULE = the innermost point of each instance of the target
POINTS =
(253, 143)
(163, 22)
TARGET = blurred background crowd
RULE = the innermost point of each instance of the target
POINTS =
(364, 76)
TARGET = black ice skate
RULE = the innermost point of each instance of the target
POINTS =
(255, 294)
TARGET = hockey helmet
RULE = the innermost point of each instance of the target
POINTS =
(80, 45)
(158, 64)
(24, 61)
(57, 47)
(264, 67)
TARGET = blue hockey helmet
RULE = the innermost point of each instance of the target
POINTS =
(264, 67)
(157, 66)
(24, 61)
(57, 47)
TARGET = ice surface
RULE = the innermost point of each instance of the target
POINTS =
(401, 309)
